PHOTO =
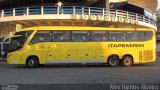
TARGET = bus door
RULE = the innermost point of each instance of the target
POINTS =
(40, 45)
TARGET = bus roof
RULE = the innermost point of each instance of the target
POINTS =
(79, 28)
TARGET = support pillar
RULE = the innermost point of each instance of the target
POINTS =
(107, 7)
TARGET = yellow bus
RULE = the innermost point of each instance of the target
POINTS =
(72, 44)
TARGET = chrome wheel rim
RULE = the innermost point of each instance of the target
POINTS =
(127, 61)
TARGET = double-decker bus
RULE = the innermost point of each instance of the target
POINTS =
(72, 44)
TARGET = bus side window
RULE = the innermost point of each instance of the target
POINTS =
(80, 36)
(99, 36)
(117, 36)
(61, 36)
(41, 36)
(129, 35)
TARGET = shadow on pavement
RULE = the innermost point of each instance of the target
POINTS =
(83, 66)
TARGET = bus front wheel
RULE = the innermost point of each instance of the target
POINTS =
(32, 62)
(127, 61)
(113, 61)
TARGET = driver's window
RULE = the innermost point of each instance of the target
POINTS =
(41, 36)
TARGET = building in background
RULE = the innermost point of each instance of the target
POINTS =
(147, 4)
(143, 7)
(42, 12)
(158, 27)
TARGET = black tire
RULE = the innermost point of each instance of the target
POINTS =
(127, 61)
(32, 62)
(113, 61)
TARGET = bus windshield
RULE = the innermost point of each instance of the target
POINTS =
(18, 40)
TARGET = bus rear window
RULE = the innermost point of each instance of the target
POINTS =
(144, 35)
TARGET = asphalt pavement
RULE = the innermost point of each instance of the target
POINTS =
(79, 77)
(80, 74)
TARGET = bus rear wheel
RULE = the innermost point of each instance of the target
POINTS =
(127, 61)
(32, 62)
(113, 61)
